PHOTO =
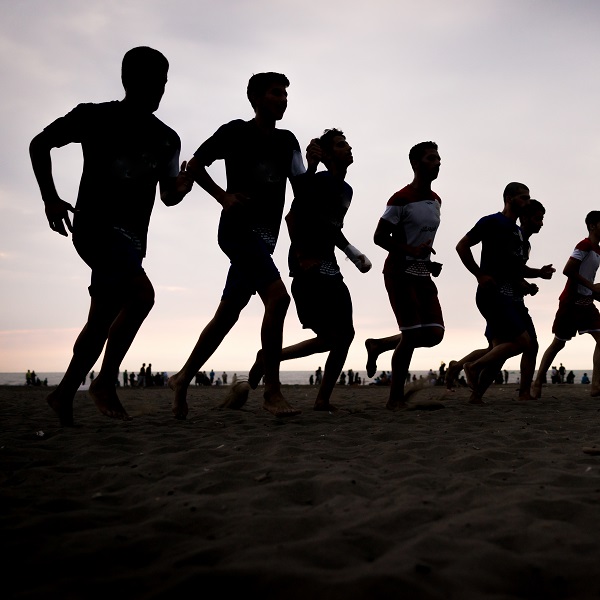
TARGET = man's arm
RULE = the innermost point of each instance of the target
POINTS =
(463, 248)
(360, 260)
(206, 182)
(544, 272)
(383, 238)
(174, 189)
(57, 210)
(571, 270)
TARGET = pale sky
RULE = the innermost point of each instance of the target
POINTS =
(507, 88)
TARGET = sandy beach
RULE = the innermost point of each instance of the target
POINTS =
(495, 501)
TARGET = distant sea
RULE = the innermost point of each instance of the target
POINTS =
(287, 377)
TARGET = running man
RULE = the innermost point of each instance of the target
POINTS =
(259, 159)
(322, 299)
(531, 220)
(127, 152)
(407, 230)
(501, 266)
(576, 310)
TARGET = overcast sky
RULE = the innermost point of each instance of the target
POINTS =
(507, 88)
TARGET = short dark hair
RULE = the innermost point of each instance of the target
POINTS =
(592, 218)
(533, 207)
(326, 140)
(418, 151)
(142, 63)
(259, 83)
(513, 189)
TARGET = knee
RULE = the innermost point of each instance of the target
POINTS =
(279, 302)
(433, 337)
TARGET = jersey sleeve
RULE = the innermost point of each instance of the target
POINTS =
(70, 128)
(477, 233)
(217, 145)
(582, 250)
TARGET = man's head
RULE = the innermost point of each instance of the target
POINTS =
(592, 219)
(144, 76)
(425, 160)
(267, 93)
(516, 197)
(532, 217)
(335, 149)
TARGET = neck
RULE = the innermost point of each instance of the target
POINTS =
(509, 213)
(264, 123)
(337, 171)
(420, 184)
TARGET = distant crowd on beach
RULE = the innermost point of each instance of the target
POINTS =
(129, 154)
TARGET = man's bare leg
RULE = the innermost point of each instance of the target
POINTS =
(456, 366)
(595, 391)
(375, 347)
(276, 301)
(121, 334)
(553, 349)
(425, 337)
(333, 368)
(86, 350)
(210, 339)
(527, 370)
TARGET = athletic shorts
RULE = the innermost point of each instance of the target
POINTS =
(572, 318)
(505, 319)
(252, 267)
(526, 317)
(114, 255)
(414, 300)
(323, 304)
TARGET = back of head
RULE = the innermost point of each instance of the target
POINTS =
(418, 151)
(143, 64)
(592, 218)
(514, 188)
(259, 83)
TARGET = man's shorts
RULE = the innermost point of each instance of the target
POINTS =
(572, 318)
(506, 319)
(527, 321)
(323, 304)
(252, 268)
(114, 255)
(414, 300)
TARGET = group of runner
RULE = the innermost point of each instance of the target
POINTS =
(128, 152)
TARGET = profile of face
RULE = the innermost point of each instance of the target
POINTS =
(429, 166)
(273, 103)
(533, 223)
(341, 152)
(146, 90)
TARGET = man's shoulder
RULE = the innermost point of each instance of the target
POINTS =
(586, 245)
(409, 194)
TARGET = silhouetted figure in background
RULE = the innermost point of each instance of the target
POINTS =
(259, 159)
(127, 152)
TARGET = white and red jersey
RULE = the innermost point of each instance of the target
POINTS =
(416, 220)
(588, 254)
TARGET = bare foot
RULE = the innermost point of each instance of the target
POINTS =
(525, 396)
(62, 406)
(257, 371)
(452, 374)
(471, 375)
(536, 389)
(276, 404)
(237, 395)
(106, 400)
(476, 399)
(372, 356)
(594, 393)
(323, 405)
(396, 405)
(180, 387)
